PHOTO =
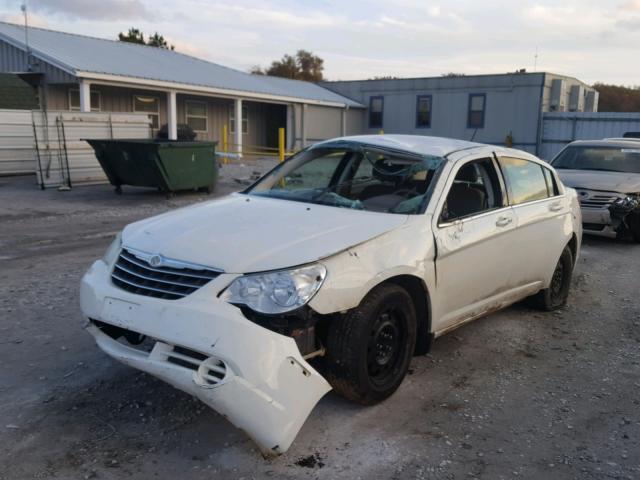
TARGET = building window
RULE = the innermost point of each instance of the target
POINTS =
(376, 107)
(196, 115)
(423, 111)
(245, 119)
(74, 100)
(148, 105)
(477, 103)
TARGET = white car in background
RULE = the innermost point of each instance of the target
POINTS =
(606, 175)
(331, 271)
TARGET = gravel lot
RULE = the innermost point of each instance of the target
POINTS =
(518, 394)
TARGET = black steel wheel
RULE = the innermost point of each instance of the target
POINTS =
(555, 296)
(370, 348)
(386, 341)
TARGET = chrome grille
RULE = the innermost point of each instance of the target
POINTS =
(589, 199)
(135, 275)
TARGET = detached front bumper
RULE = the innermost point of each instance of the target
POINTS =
(254, 377)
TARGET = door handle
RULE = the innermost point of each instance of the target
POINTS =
(555, 207)
(503, 221)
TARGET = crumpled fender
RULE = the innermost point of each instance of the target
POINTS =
(625, 215)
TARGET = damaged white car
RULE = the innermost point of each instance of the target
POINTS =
(331, 271)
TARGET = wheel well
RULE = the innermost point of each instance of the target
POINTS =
(573, 246)
(422, 304)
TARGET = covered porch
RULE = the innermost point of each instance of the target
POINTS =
(212, 117)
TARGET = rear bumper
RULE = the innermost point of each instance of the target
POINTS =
(254, 377)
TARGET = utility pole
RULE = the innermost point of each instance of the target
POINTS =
(23, 7)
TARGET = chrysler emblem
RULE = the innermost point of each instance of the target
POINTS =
(155, 261)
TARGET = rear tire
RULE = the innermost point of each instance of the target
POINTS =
(555, 297)
(370, 348)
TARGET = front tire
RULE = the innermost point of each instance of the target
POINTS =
(370, 348)
(555, 297)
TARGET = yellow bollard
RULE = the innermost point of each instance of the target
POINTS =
(225, 142)
(381, 132)
(281, 144)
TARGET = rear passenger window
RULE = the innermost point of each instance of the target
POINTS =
(526, 180)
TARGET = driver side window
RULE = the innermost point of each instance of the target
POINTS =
(475, 189)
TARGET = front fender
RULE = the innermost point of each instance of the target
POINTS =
(351, 274)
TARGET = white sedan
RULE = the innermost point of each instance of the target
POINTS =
(331, 271)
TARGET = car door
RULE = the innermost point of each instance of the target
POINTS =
(543, 219)
(474, 237)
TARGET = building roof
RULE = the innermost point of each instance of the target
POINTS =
(83, 56)
(472, 77)
(16, 94)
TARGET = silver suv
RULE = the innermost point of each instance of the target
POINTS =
(606, 175)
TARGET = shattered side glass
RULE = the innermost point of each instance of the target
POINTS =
(353, 176)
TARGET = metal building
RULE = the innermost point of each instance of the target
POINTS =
(77, 72)
(494, 109)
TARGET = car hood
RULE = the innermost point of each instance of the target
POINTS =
(245, 233)
(600, 180)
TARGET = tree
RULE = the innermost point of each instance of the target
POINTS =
(304, 66)
(618, 98)
(157, 40)
(134, 35)
(310, 66)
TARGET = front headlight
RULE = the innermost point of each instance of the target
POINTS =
(276, 292)
(112, 252)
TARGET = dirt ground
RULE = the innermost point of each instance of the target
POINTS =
(518, 394)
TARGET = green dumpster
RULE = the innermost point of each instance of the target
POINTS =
(169, 166)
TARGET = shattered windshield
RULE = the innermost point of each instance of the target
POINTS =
(355, 177)
(609, 159)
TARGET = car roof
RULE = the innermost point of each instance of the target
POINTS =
(608, 142)
(418, 144)
(433, 146)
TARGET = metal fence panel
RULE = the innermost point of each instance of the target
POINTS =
(57, 153)
(65, 158)
(560, 128)
(17, 154)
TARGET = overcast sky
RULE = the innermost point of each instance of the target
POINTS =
(593, 40)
